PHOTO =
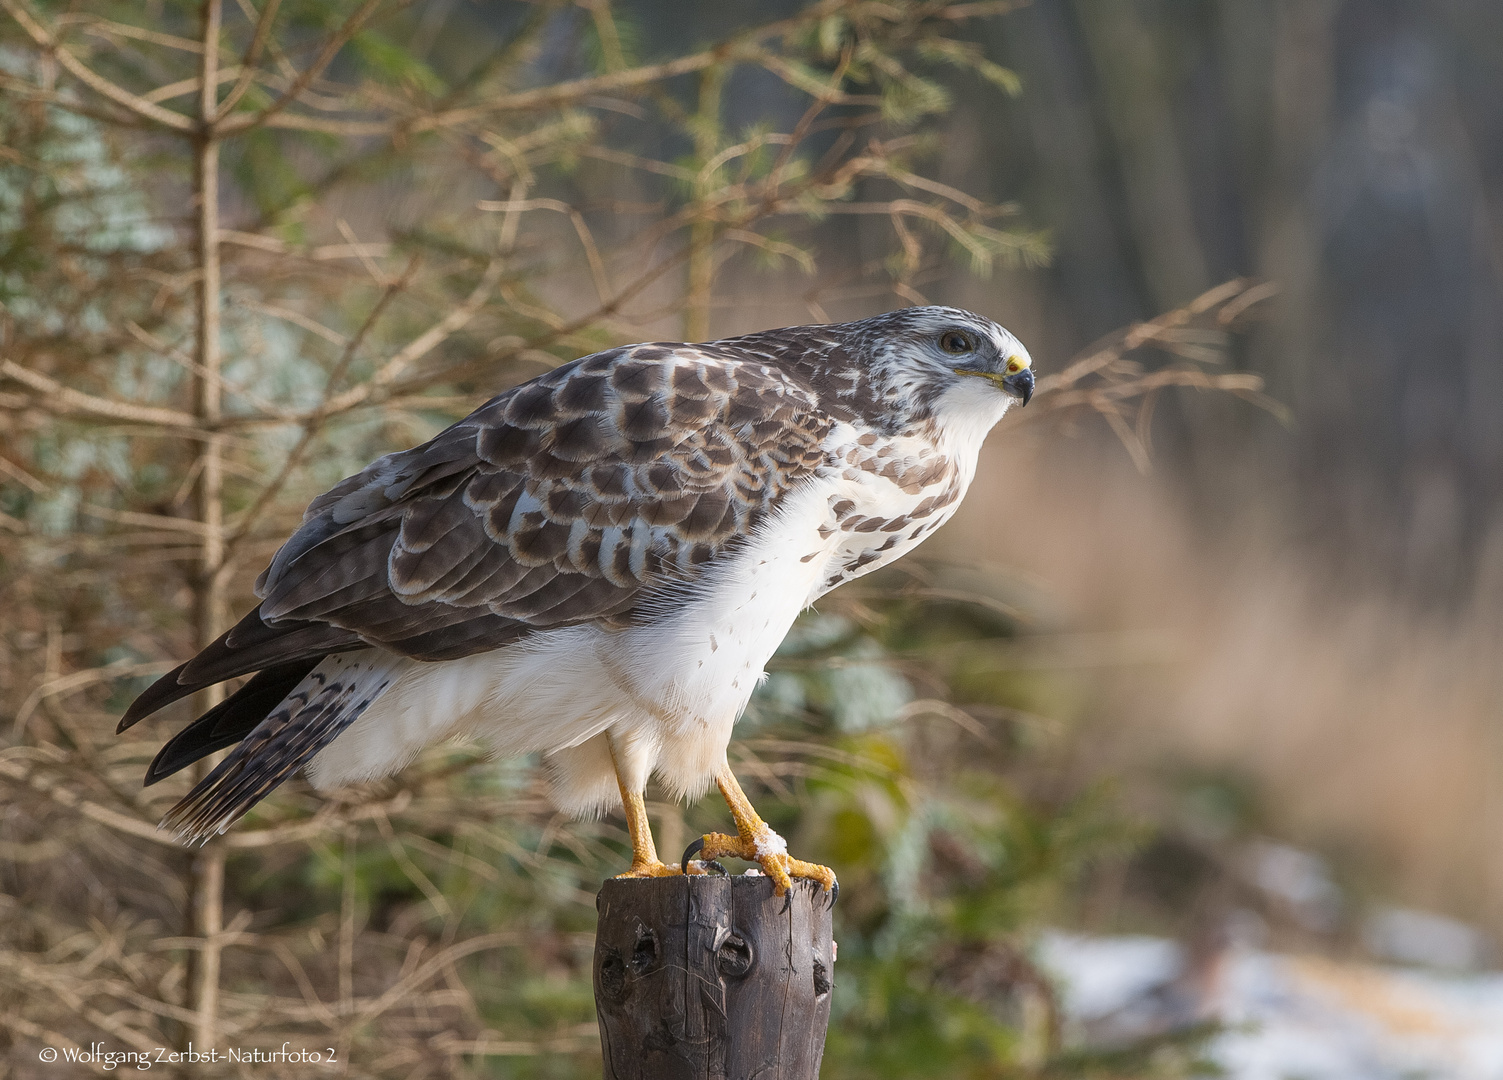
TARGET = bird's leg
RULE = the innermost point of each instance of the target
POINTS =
(644, 853)
(756, 842)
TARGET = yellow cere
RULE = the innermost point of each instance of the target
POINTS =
(1015, 364)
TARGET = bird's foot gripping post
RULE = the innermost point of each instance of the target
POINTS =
(644, 852)
(756, 842)
(711, 977)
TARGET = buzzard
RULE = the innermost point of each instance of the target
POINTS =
(595, 566)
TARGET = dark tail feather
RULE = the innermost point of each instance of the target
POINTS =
(163, 692)
(249, 645)
(231, 720)
(323, 705)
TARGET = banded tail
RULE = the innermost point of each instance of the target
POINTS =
(298, 709)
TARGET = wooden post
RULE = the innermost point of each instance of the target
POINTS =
(710, 978)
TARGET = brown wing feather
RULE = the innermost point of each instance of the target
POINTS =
(561, 501)
(555, 503)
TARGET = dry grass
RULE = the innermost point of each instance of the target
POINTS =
(1371, 729)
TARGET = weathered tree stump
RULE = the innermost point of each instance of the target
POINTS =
(704, 978)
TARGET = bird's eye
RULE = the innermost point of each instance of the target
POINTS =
(953, 341)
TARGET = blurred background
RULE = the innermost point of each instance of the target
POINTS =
(1332, 585)
(1194, 707)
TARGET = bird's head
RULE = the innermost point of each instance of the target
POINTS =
(942, 363)
(907, 365)
(958, 345)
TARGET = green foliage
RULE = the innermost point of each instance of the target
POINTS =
(968, 56)
(387, 60)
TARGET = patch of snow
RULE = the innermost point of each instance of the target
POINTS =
(1101, 975)
(1299, 879)
(1288, 1016)
(768, 842)
(1421, 937)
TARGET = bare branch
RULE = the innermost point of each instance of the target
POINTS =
(111, 28)
(323, 252)
(740, 47)
(187, 86)
(978, 10)
(781, 248)
(348, 128)
(92, 79)
(297, 318)
(77, 680)
(62, 399)
(315, 420)
(64, 796)
(305, 78)
(633, 161)
(252, 54)
(1142, 333)
(209, 919)
(146, 521)
(434, 965)
(1103, 381)
(826, 93)
(268, 409)
(423, 344)
(378, 275)
(582, 230)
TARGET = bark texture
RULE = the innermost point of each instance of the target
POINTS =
(703, 978)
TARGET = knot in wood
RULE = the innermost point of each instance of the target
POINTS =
(712, 978)
(734, 957)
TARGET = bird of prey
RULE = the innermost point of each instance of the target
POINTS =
(595, 566)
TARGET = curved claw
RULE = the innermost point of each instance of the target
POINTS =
(833, 890)
(694, 848)
(708, 864)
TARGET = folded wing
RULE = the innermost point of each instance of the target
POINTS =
(568, 499)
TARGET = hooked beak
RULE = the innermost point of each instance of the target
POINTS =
(1019, 384)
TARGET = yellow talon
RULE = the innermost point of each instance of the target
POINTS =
(776, 864)
(657, 869)
(756, 842)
